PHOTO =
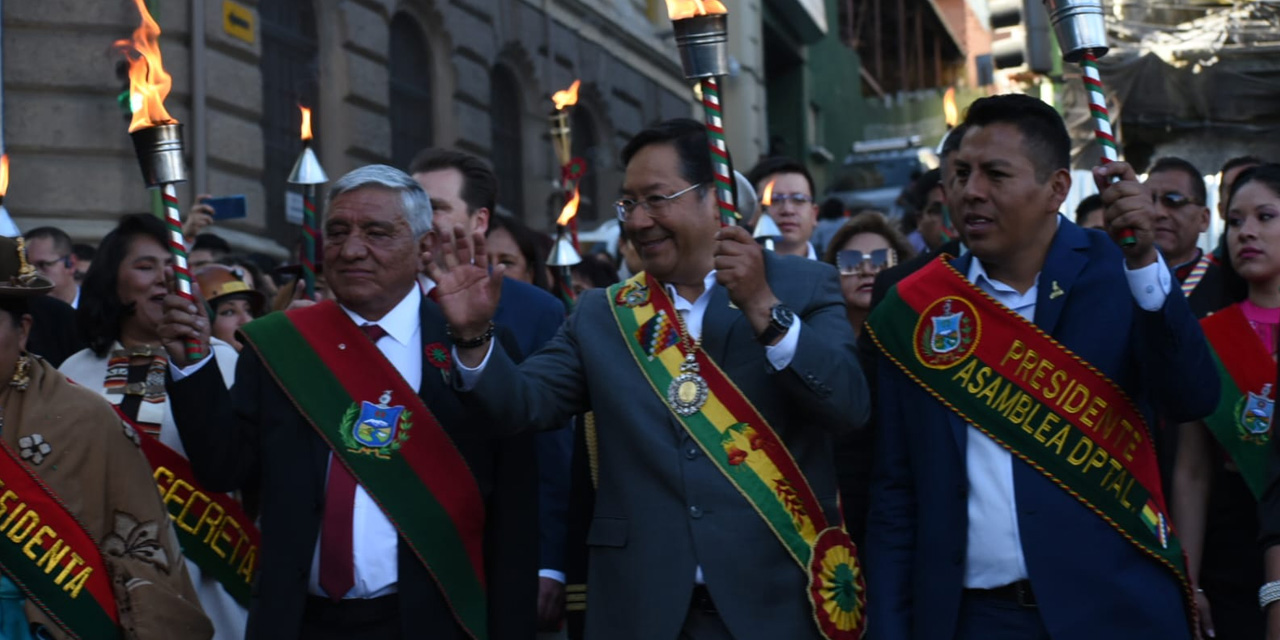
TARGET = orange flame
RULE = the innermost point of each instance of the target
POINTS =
(306, 123)
(148, 83)
(570, 209)
(681, 9)
(766, 198)
(949, 111)
(4, 174)
(566, 97)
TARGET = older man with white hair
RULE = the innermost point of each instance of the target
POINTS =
(380, 501)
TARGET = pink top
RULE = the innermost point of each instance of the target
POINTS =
(1265, 322)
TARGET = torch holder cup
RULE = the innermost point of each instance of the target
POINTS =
(561, 135)
(1080, 25)
(159, 151)
(704, 45)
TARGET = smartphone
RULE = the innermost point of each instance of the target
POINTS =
(228, 207)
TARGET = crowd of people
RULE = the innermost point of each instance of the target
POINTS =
(983, 419)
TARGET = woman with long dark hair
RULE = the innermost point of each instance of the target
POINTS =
(1221, 469)
(121, 306)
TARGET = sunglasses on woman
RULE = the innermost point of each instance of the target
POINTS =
(852, 261)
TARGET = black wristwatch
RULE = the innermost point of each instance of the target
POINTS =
(781, 318)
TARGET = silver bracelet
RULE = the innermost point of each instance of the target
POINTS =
(1270, 592)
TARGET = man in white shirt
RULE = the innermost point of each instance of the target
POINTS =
(49, 251)
(786, 195)
(344, 560)
(985, 528)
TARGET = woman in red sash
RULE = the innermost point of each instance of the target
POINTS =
(75, 481)
(1221, 470)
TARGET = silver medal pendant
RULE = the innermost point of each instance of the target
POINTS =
(688, 392)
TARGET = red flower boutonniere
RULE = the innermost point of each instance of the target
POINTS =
(438, 355)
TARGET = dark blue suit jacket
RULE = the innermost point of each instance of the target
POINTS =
(1089, 581)
(533, 316)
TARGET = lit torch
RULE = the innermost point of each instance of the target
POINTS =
(7, 227)
(702, 35)
(4, 178)
(308, 173)
(563, 254)
(949, 111)
(1081, 28)
(766, 229)
(571, 168)
(157, 139)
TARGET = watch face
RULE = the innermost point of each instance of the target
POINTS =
(782, 316)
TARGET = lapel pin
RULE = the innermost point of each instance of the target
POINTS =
(1055, 290)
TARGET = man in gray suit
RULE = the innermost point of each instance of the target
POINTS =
(677, 548)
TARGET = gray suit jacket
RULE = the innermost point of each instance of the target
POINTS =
(662, 507)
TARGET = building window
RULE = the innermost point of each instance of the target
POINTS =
(586, 145)
(410, 91)
(504, 119)
(290, 77)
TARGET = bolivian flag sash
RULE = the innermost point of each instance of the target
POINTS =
(1242, 421)
(50, 556)
(1029, 393)
(383, 432)
(737, 438)
(213, 529)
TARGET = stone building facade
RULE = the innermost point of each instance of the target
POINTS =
(385, 78)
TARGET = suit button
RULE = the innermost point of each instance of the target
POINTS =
(695, 511)
(691, 453)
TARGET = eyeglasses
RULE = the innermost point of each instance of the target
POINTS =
(1174, 200)
(651, 204)
(851, 261)
(780, 200)
(42, 265)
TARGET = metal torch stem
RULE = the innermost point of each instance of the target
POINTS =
(310, 235)
(181, 268)
(713, 113)
(1102, 124)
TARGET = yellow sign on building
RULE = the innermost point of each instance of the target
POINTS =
(237, 21)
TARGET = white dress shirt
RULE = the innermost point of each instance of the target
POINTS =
(374, 540)
(779, 354)
(994, 555)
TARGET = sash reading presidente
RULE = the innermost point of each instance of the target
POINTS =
(1034, 397)
(1242, 421)
(51, 556)
(737, 438)
(382, 431)
(214, 531)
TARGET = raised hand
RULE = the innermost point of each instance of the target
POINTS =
(1129, 205)
(466, 288)
(739, 263)
(182, 321)
(197, 219)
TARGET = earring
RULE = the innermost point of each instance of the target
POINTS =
(21, 374)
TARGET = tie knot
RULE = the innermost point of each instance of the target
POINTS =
(374, 332)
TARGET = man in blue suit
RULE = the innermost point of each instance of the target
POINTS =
(464, 191)
(976, 531)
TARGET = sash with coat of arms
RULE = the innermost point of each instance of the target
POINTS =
(742, 444)
(378, 427)
(1247, 373)
(1034, 397)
